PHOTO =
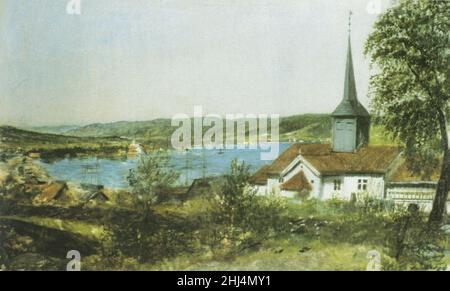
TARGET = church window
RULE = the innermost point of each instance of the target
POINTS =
(337, 185)
(362, 184)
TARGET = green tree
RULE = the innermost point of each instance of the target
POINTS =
(245, 216)
(152, 176)
(233, 197)
(410, 49)
(144, 236)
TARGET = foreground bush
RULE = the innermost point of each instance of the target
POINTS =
(239, 219)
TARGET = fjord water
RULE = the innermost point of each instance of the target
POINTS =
(196, 163)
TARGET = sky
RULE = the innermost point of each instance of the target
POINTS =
(145, 59)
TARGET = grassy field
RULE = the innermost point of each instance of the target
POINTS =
(88, 230)
(282, 254)
(335, 236)
(342, 243)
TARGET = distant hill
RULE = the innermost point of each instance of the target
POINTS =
(155, 134)
(308, 127)
(61, 129)
(129, 129)
(300, 128)
(19, 140)
(10, 134)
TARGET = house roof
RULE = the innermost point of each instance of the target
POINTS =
(297, 183)
(51, 192)
(367, 160)
(280, 163)
(99, 195)
(261, 176)
(404, 175)
(284, 159)
(200, 185)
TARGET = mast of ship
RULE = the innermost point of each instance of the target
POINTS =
(91, 172)
(97, 169)
(187, 166)
(203, 163)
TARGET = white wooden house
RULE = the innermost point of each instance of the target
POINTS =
(325, 174)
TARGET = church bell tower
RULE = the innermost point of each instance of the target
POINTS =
(351, 121)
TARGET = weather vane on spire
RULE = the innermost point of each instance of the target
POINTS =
(350, 13)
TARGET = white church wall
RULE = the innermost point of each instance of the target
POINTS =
(349, 185)
(375, 186)
(323, 187)
(262, 190)
(328, 191)
(273, 186)
(313, 179)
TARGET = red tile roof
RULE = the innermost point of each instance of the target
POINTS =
(297, 183)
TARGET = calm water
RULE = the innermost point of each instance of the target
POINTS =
(191, 165)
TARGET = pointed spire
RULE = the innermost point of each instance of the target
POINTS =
(349, 82)
(350, 105)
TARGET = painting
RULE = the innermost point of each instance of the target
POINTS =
(223, 135)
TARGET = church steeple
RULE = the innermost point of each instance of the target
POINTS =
(350, 105)
(351, 121)
(349, 83)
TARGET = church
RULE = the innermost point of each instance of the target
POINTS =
(349, 166)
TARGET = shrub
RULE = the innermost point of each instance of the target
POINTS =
(412, 244)
(241, 219)
(152, 175)
(148, 239)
